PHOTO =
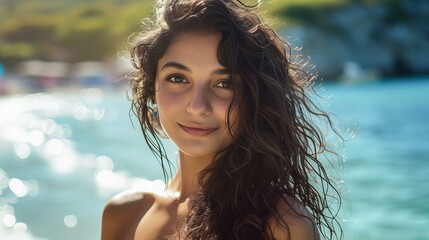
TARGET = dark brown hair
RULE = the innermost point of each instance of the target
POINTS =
(275, 152)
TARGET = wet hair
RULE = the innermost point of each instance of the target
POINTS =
(276, 150)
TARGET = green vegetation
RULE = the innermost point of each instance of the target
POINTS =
(67, 30)
(79, 30)
(281, 10)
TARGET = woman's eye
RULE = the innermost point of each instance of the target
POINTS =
(176, 79)
(224, 84)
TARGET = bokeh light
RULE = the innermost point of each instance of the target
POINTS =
(22, 150)
(20, 227)
(9, 220)
(55, 146)
(70, 221)
(18, 187)
(36, 138)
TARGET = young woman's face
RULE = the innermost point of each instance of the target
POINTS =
(193, 93)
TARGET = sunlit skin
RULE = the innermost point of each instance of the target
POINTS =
(193, 94)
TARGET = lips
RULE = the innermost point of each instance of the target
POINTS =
(197, 131)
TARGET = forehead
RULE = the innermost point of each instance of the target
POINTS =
(207, 38)
(193, 46)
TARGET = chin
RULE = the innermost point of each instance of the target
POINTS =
(200, 150)
(193, 152)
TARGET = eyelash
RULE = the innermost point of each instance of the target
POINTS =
(169, 78)
(228, 83)
(183, 80)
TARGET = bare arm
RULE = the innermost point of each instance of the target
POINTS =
(292, 223)
(109, 227)
(122, 214)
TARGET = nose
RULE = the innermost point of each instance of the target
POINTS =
(199, 102)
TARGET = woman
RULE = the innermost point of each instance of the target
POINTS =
(221, 85)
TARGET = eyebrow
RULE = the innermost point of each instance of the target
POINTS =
(220, 71)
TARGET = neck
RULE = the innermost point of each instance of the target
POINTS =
(185, 183)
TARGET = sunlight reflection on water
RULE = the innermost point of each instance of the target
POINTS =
(36, 133)
(32, 131)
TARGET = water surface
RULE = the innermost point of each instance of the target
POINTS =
(62, 155)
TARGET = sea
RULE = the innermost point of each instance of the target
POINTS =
(63, 154)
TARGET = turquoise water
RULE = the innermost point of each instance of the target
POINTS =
(62, 155)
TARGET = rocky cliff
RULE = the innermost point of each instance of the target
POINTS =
(389, 39)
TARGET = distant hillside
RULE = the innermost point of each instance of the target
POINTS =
(385, 38)
(77, 30)
(332, 32)
(67, 30)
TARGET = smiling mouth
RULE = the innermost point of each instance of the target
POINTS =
(198, 132)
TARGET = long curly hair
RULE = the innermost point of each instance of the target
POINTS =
(277, 146)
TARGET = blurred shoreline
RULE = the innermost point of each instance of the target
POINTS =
(36, 76)
(40, 76)
(351, 41)
(63, 155)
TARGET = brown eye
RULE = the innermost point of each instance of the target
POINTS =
(176, 79)
(224, 84)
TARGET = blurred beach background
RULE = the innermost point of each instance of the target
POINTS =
(68, 141)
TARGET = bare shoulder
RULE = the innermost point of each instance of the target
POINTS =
(127, 199)
(123, 212)
(293, 221)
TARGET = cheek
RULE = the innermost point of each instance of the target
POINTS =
(166, 105)
(169, 108)
(166, 112)
(164, 97)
